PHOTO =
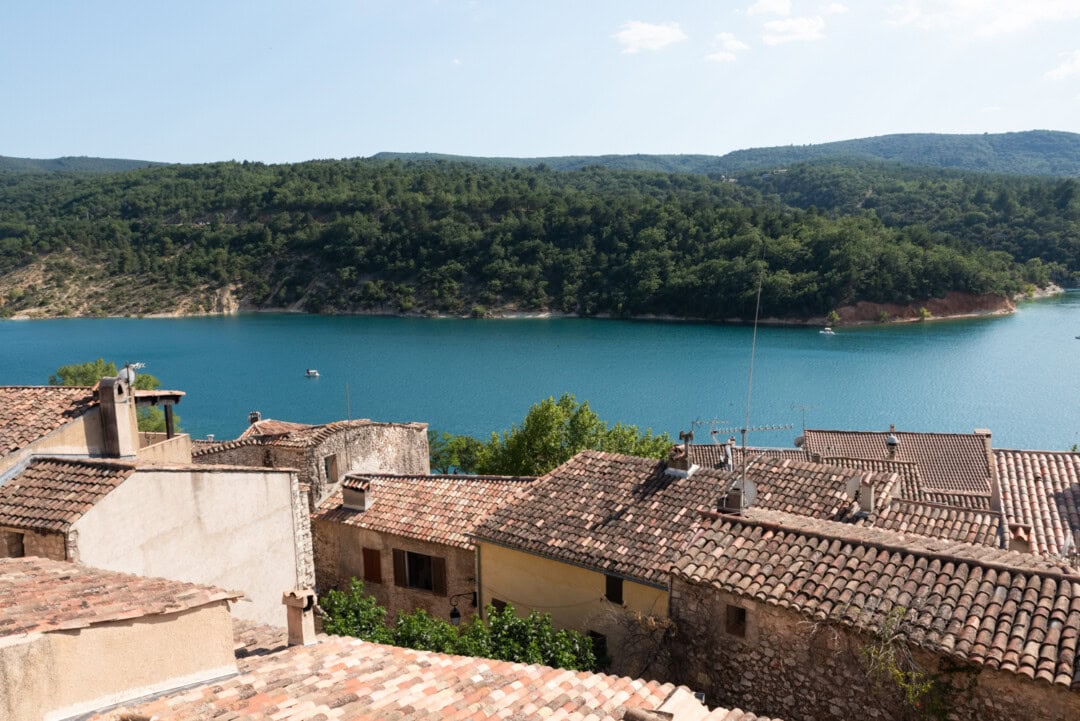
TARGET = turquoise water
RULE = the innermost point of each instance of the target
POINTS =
(1017, 375)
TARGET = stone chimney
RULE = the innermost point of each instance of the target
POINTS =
(356, 493)
(733, 501)
(119, 427)
(991, 469)
(300, 607)
(867, 494)
(892, 442)
(254, 417)
(678, 463)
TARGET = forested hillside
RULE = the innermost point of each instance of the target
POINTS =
(1033, 152)
(376, 236)
(80, 164)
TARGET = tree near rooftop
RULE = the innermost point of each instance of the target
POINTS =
(506, 636)
(553, 432)
(151, 420)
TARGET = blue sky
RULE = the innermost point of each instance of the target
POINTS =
(285, 81)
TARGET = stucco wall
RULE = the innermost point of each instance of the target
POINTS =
(573, 596)
(61, 674)
(157, 448)
(789, 667)
(339, 558)
(232, 529)
(80, 437)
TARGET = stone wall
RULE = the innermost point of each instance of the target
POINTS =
(243, 455)
(21, 542)
(375, 448)
(339, 557)
(786, 665)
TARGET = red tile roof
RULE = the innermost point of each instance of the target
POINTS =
(442, 509)
(38, 595)
(300, 435)
(344, 678)
(948, 523)
(623, 515)
(1041, 489)
(52, 493)
(1008, 611)
(28, 413)
(711, 455)
(947, 462)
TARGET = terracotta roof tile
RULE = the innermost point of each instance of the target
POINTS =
(947, 462)
(349, 679)
(52, 493)
(439, 508)
(818, 564)
(254, 640)
(38, 595)
(624, 515)
(948, 523)
(711, 455)
(28, 413)
(1041, 489)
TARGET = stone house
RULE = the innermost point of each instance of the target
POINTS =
(793, 615)
(75, 639)
(323, 454)
(234, 527)
(407, 537)
(592, 542)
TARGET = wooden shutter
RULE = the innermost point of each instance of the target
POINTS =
(372, 565)
(400, 574)
(438, 575)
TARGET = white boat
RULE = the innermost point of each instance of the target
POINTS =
(311, 373)
(827, 331)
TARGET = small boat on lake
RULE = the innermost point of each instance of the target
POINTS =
(311, 373)
(827, 331)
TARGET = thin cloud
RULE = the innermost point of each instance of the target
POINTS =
(984, 18)
(1069, 66)
(636, 36)
(770, 7)
(834, 9)
(728, 48)
(791, 30)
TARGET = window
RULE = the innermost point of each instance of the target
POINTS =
(419, 570)
(613, 592)
(331, 468)
(736, 621)
(599, 646)
(372, 565)
(13, 545)
(498, 604)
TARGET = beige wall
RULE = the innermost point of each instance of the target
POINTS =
(158, 448)
(80, 437)
(339, 558)
(232, 529)
(573, 596)
(66, 673)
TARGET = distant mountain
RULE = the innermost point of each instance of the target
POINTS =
(72, 164)
(1033, 152)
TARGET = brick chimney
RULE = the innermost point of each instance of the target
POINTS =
(119, 427)
(300, 607)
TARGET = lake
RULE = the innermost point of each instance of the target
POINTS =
(1016, 375)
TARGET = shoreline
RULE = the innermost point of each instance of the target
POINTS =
(815, 321)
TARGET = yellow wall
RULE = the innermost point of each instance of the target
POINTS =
(62, 674)
(573, 596)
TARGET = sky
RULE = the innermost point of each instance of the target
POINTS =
(270, 81)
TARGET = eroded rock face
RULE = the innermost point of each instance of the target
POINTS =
(952, 305)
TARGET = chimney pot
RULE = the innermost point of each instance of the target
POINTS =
(254, 417)
(356, 493)
(300, 610)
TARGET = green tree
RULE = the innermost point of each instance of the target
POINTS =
(554, 431)
(450, 453)
(506, 636)
(151, 419)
